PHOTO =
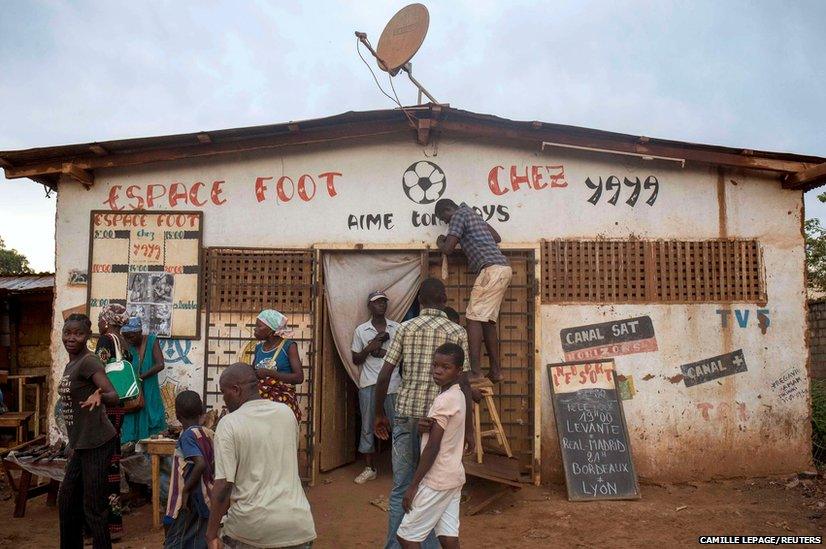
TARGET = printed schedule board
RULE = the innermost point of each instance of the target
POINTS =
(150, 262)
(593, 437)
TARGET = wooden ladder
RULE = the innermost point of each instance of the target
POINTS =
(485, 387)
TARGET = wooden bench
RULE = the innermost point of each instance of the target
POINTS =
(18, 421)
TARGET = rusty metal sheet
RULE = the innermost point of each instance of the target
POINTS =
(26, 283)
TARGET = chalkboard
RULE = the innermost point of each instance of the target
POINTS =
(593, 437)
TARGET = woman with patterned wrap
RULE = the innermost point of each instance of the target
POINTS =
(110, 322)
(276, 360)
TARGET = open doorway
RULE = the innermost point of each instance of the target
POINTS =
(514, 398)
(348, 277)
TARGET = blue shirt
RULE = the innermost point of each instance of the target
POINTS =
(189, 449)
(265, 359)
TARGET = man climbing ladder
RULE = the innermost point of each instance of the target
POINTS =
(479, 243)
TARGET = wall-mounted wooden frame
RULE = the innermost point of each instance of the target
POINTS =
(151, 262)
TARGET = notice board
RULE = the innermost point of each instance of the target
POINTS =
(593, 437)
(150, 262)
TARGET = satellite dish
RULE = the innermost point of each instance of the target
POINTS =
(402, 37)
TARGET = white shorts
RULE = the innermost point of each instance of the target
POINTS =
(431, 509)
(488, 292)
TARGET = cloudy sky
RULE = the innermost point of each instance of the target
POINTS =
(746, 74)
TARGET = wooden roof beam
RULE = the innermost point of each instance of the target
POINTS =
(621, 145)
(305, 137)
(424, 126)
(807, 179)
(84, 177)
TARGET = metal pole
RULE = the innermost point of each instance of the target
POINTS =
(416, 83)
(408, 68)
(410, 71)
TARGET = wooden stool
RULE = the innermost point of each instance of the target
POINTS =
(486, 388)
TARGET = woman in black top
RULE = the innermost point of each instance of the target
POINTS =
(83, 389)
(110, 321)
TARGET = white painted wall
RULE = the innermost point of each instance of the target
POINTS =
(670, 436)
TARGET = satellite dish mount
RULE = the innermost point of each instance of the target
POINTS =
(401, 39)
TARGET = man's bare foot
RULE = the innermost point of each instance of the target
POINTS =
(495, 376)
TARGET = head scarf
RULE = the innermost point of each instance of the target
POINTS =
(133, 326)
(276, 322)
(114, 315)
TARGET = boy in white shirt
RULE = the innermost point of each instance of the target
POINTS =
(432, 500)
(370, 343)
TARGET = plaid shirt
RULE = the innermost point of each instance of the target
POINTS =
(475, 238)
(414, 344)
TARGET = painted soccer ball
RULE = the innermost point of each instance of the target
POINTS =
(424, 182)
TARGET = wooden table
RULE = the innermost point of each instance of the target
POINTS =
(157, 447)
(22, 486)
(18, 421)
(21, 381)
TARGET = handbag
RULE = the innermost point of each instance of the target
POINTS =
(122, 374)
(136, 404)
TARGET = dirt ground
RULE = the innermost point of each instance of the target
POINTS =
(666, 516)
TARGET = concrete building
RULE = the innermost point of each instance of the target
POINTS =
(685, 262)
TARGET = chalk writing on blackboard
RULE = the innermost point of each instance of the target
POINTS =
(593, 437)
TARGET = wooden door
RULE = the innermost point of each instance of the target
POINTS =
(338, 428)
(515, 395)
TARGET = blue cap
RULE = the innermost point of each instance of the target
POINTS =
(133, 325)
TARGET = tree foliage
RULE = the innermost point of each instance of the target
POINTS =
(815, 254)
(12, 262)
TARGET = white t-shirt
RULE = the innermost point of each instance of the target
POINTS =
(372, 365)
(256, 450)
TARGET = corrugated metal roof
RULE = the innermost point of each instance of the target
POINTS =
(26, 283)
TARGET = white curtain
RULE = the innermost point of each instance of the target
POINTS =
(349, 277)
